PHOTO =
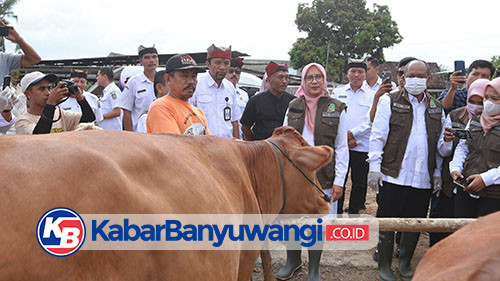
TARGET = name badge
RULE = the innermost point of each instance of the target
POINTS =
(330, 114)
(343, 97)
(436, 110)
(475, 123)
(457, 125)
(227, 113)
(402, 106)
(141, 91)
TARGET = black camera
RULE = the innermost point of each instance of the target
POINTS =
(72, 88)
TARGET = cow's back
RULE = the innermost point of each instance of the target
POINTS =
(472, 253)
(96, 172)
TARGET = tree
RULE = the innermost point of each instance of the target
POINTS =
(351, 29)
(6, 7)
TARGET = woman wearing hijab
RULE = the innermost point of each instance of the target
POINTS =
(443, 202)
(320, 120)
(478, 160)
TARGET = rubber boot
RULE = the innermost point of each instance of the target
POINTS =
(407, 245)
(314, 260)
(293, 263)
(385, 248)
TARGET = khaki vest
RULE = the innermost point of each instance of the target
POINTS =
(484, 154)
(400, 125)
(459, 119)
(325, 131)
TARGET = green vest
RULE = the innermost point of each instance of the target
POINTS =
(459, 119)
(326, 126)
(484, 154)
(400, 125)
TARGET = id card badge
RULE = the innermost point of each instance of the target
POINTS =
(227, 113)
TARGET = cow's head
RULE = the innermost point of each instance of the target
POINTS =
(301, 196)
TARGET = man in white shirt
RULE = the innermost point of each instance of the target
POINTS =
(216, 96)
(79, 78)
(233, 75)
(139, 91)
(110, 100)
(373, 81)
(358, 99)
(404, 161)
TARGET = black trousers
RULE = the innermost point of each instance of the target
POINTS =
(396, 201)
(468, 207)
(441, 207)
(359, 176)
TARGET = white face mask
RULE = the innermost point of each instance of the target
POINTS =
(491, 108)
(474, 109)
(415, 85)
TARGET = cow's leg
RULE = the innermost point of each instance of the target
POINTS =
(267, 265)
(408, 244)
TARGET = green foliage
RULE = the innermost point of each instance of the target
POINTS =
(495, 60)
(6, 11)
(352, 29)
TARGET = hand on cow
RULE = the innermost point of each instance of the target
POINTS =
(57, 94)
(438, 186)
(374, 180)
(455, 175)
(448, 135)
(476, 183)
(337, 192)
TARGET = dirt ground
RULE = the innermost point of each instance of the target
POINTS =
(344, 265)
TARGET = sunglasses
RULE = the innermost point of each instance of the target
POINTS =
(230, 71)
(401, 72)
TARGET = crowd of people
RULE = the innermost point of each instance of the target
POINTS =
(416, 151)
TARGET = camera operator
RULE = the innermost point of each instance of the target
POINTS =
(42, 116)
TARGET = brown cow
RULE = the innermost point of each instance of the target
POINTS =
(472, 253)
(105, 172)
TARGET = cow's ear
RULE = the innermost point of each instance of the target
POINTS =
(313, 157)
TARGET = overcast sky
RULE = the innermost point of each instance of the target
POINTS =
(436, 31)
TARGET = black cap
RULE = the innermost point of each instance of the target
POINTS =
(182, 62)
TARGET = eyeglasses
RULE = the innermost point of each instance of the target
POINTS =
(230, 71)
(401, 72)
(317, 77)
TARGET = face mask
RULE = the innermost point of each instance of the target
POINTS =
(415, 85)
(491, 109)
(474, 109)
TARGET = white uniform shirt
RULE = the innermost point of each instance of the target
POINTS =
(110, 100)
(358, 113)
(242, 100)
(212, 100)
(141, 124)
(137, 97)
(489, 177)
(414, 168)
(71, 104)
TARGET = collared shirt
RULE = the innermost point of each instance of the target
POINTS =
(341, 148)
(71, 104)
(137, 97)
(459, 100)
(377, 84)
(358, 113)
(265, 112)
(218, 104)
(414, 168)
(110, 100)
(242, 100)
(489, 177)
